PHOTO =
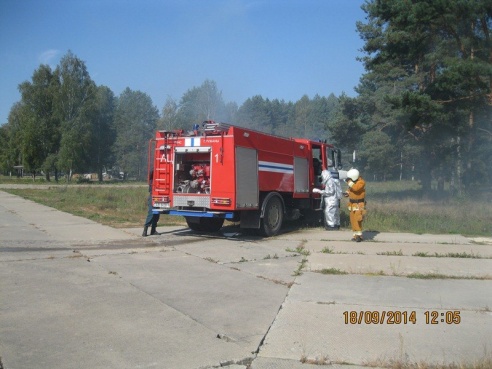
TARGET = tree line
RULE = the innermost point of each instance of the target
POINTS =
(65, 123)
(423, 108)
(424, 102)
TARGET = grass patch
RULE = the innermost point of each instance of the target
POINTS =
(299, 250)
(392, 206)
(332, 271)
(444, 276)
(62, 181)
(321, 360)
(484, 363)
(391, 253)
(118, 207)
(375, 274)
(427, 216)
(301, 266)
(327, 250)
(463, 255)
(23, 180)
(400, 206)
(381, 273)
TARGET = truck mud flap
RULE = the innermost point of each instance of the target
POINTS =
(250, 219)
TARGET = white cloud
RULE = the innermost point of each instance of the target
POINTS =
(46, 57)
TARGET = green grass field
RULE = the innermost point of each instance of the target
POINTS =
(121, 205)
(401, 207)
(391, 207)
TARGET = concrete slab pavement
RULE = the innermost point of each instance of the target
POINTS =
(117, 300)
(184, 300)
(11, 225)
(313, 321)
(465, 250)
(37, 221)
(313, 234)
(68, 313)
(305, 325)
(236, 306)
(401, 265)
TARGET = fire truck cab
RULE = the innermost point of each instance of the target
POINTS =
(217, 172)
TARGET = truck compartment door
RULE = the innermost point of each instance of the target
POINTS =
(247, 193)
(301, 175)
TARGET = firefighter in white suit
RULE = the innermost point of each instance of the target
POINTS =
(331, 195)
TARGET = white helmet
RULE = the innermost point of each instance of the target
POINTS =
(353, 174)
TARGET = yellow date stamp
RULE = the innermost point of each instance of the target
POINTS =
(401, 317)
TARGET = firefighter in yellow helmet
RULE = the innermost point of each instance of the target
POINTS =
(356, 194)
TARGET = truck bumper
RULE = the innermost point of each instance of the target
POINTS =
(198, 214)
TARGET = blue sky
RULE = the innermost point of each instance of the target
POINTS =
(280, 49)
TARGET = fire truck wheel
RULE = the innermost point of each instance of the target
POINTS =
(193, 224)
(211, 224)
(273, 217)
(204, 224)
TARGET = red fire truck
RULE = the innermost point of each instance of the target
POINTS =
(218, 172)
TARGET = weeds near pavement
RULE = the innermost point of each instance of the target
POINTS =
(300, 250)
(327, 250)
(391, 253)
(445, 276)
(305, 253)
(375, 274)
(277, 281)
(323, 360)
(332, 271)
(301, 266)
(463, 255)
(484, 363)
(395, 273)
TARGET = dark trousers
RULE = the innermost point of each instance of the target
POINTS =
(152, 218)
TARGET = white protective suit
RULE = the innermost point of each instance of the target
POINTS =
(332, 193)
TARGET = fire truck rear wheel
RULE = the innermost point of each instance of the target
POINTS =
(205, 224)
(273, 217)
(193, 224)
(211, 224)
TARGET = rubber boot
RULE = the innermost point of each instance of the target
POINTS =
(144, 234)
(153, 231)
